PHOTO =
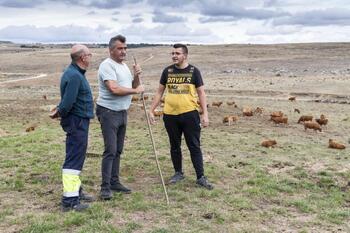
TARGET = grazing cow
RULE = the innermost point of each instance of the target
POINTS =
(296, 110)
(335, 145)
(312, 125)
(292, 98)
(269, 143)
(305, 118)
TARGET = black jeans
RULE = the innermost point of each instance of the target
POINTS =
(113, 125)
(189, 124)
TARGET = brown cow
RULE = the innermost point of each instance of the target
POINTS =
(269, 143)
(217, 104)
(312, 125)
(247, 112)
(276, 114)
(292, 98)
(280, 120)
(322, 120)
(229, 119)
(335, 145)
(305, 118)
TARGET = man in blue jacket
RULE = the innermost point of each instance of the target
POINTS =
(75, 110)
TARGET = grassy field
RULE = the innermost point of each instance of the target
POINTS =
(299, 186)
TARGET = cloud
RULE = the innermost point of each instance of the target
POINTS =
(67, 33)
(92, 13)
(178, 32)
(225, 11)
(111, 4)
(20, 3)
(332, 16)
(160, 17)
(137, 20)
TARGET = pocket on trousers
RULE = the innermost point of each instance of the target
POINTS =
(66, 124)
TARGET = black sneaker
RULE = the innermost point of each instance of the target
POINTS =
(85, 197)
(119, 188)
(176, 178)
(203, 181)
(106, 194)
(78, 207)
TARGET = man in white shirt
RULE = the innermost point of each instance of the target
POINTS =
(116, 85)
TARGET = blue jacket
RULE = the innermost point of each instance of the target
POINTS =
(76, 96)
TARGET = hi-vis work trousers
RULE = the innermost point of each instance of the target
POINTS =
(77, 130)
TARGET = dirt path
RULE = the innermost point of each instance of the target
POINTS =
(24, 79)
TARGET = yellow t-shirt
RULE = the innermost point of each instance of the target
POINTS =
(180, 92)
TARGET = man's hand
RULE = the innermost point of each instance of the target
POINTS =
(54, 113)
(137, 70)
(151, 118)
(205, 120)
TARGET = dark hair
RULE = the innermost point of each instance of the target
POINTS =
(114, 39)
(76, 56)
(182, 46)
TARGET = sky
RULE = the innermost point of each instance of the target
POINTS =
(170, 21)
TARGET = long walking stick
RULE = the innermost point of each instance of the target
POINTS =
(153, 144)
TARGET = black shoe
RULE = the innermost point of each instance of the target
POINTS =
(176, 178)
(106, 194)
(119, 188)
(85, 197)
(78, 207)
(203, 181)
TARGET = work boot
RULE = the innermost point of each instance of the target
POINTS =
(78, 207)
(85, 197)
(119, 188)
(176, 178)
(203, 181)
(106, 194)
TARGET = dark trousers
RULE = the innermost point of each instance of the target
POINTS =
(189, 124)
(113, 126)
(77, 130)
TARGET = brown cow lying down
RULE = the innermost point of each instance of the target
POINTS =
(258, 110)
(305, 118)
(217, 104)
(247, 112)
(158, 113)
(292, 98)
(230, 103)
(322, 120)
(335, 145)
(312, 125)
(134, 98)
(280, 120)
(229, 119)
(269, 143)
